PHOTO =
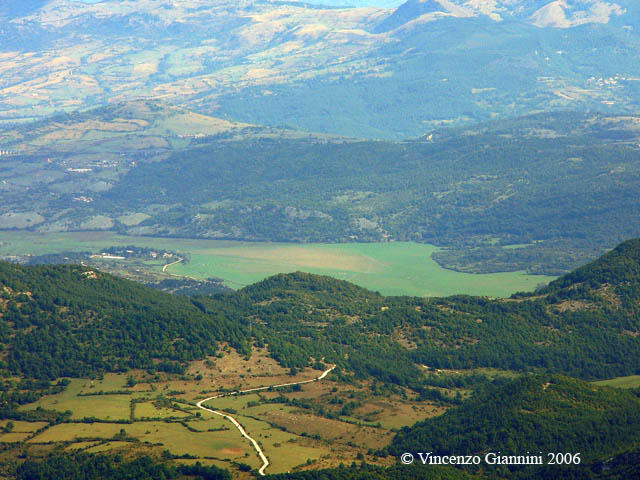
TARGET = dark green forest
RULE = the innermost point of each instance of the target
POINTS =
(112, 467)
(541, 413)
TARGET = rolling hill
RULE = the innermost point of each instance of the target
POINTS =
(65, 320)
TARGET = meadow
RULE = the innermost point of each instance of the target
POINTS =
(395, 268)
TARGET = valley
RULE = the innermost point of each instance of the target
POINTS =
(562, 186)
(395, 268)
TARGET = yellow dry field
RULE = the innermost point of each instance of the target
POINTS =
(107, 447)
(233, 364)
(107, 407)
(13, 437)
(299, 422)
(21, 427)
(300, 257)
(295, 450)
(82, 445)
(397, 415)
(172, 436)
(69, 432)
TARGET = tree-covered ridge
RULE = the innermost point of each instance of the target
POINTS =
(371, 472)
(387, 336)
(112, 467)
(541, 413)
(75, 321)
(620, 266)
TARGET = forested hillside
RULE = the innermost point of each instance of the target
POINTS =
(74, 321)
(542, 413)
(562, 187)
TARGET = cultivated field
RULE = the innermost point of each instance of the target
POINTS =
(391, 268)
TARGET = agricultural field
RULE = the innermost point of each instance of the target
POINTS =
(395, 268)
(315, 425)
(138, 412)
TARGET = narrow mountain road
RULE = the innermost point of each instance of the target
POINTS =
(263, 457)
(164, 269)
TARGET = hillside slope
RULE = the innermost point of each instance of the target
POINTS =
(534, 414)
(559, 187)
(563, 186)
(75, 321)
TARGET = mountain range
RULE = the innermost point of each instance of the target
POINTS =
(365, 71)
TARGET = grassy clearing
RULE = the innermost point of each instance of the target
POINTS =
(22, 427)
(295, 450)
(83, 445)
(397, 415)
(69, 432)
(398, 268)
(107, 447)
(300, 422)
(632, 381)
(149, 410)
(107, 407)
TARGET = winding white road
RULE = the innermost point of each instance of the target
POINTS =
(263, 457)
(164, 269)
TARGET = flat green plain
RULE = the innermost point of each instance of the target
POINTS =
(395, 268)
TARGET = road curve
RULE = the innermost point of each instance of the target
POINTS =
(164, 269)
(263, 457)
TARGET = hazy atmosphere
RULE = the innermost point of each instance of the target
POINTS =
(332, 240)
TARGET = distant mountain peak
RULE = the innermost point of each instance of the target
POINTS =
(567, 14)
(541, 13)
(427, 10)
